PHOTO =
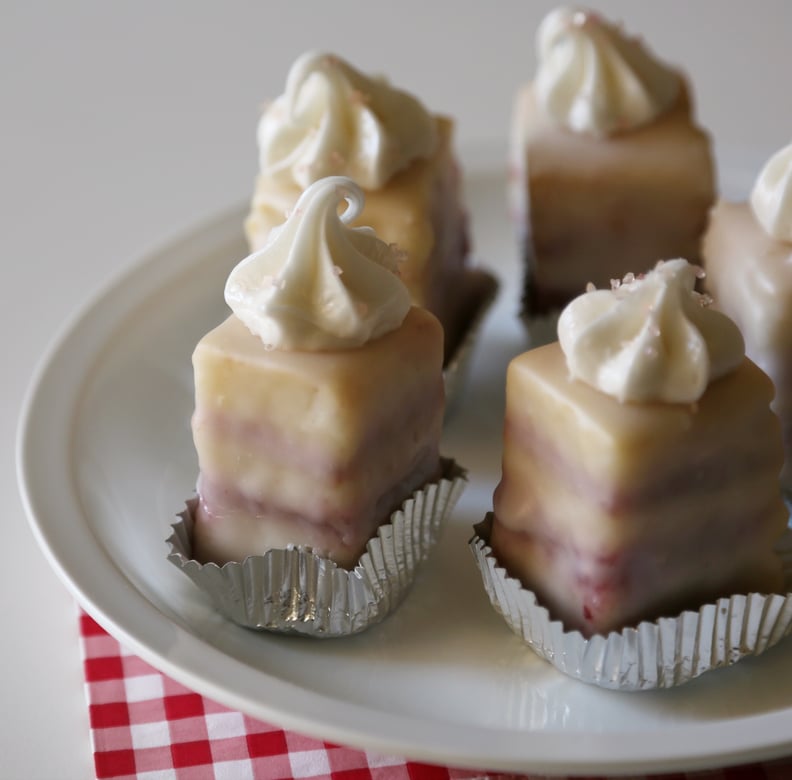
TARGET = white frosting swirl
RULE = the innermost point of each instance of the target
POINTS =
(333, 120)
(771, 198)
(594, 79)
(649, 338)
(318, 284)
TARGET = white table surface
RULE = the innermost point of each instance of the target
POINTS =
(124, 123)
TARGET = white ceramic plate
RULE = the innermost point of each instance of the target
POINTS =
(106, 459)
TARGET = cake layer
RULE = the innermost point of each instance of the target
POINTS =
(229, 525)
(593, 209)
(749, 275)
(647, 505)
(420, 210)
(598, 594)
(337, 439)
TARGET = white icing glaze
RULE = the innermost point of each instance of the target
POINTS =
(594, 79)
(649, 338)
(771, 198)
(318, 284)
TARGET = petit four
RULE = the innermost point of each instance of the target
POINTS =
(748, 258)
(319, 402)
(640, 459)
(609, 171)
(334, 120)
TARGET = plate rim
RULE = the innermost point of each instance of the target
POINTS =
(189, 662)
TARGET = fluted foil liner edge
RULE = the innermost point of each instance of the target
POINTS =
(296, 591)
(660, 654)
(456, 370)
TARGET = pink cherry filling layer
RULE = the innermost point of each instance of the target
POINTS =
(230, 525)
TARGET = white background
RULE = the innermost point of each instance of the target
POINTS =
(124, 123)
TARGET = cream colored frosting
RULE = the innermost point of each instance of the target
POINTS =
(771, 198)
(649, 338)
(592, 78)
(318, 284)
(333, 120)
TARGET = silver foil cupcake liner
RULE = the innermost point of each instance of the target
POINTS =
(661, 654)
(484, 291)
(296, 591)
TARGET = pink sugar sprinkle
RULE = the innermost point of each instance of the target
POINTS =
(705, 300)
(580, 18)
(357, 97)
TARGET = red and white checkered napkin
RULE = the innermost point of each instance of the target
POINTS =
(145, 726)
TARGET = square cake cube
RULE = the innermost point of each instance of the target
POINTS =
(617, 512)
(749, 274)
(590, 209)
(314, 448)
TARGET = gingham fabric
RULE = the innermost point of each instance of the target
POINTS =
(145, 726)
